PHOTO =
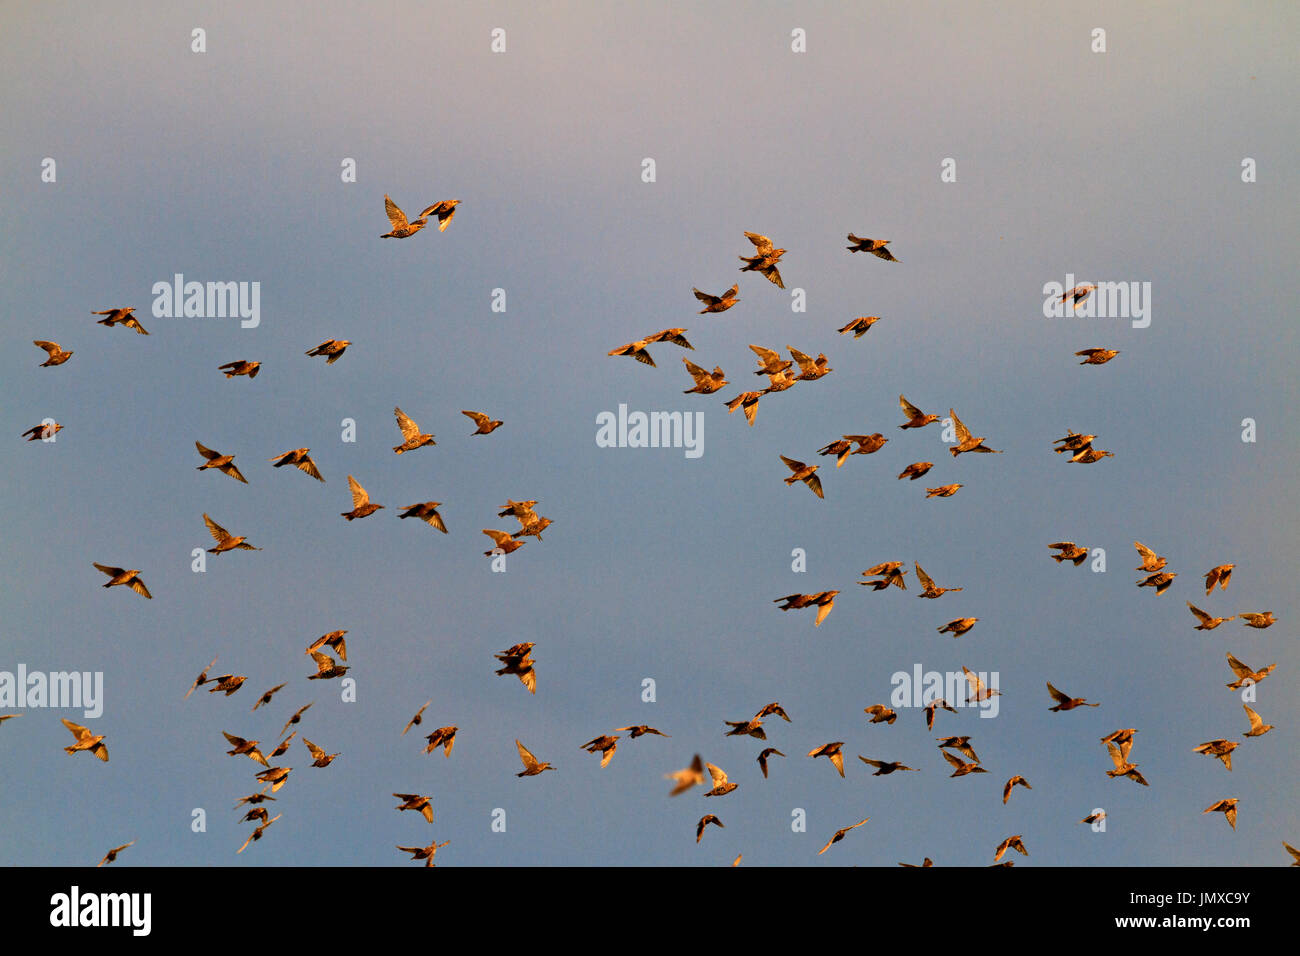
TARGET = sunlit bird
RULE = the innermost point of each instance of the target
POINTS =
(839, 835)
(299, 458)
(130, 577)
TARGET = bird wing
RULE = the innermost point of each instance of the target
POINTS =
(910, 410)
(815, 483)
(963, 433)
(718, 774)
(1238, 668)
(526, 756)
(1200, 615)
(207, 453)
(704, 297)
(395, 214)
(1060, 697)
(761, 243)
(1255, 720)
(309, 467)
(78, 731)
(409, 428)
(111, 572)
(1145, 551)
(477, 417)
(315, 751)
(219, 534)
(359, 495)
(957, 762)
(926, 581)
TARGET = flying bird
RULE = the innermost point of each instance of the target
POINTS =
(266, 698)
(129, 577)
(884, 767)
(1065, 701)
(1017, 780)
(874, 246)
(824, 601)
(1161, 581)
(1150, 560)
(299, 458)
(486, 425)
(915, 417)
(226, 683)
(959, 626)
(718, 303)
(361, 503)
(1228, 808)
(706, 383)
(1097, 356)
(831, 751)
(225, 540)
(401, 228)
(240, 367)
(94, 743)
(880, 714)
(943, 491)
(326, 667)
(518, 661)
(606, 745)
(1207, 623)
(1222, 749)
(1220, 575)
(748, 401)
(111, 855)
(966, 442)
(931, 590)
(418, 802)
(295, 718)
(444, 737)
(765, 259)
(54, 356)
(1257, 726)
(322, 759)
(860, 326)
(704, 822)
(426, 511)
(223, 463)
(1258, 620)
(417, 719)
(1010, 843)
(721, 786)
(244, 747)
(1077, 294)
(804, 473)
(839, 835)
(425, 853)
(531, 767)
(412, 437)
(1069, 551)
(915, 470)
(503, 542)
(42, 431)
(257, 834)
(334, 348)
(640, 730)
(691, 776)
(121, 317)
(763, 757)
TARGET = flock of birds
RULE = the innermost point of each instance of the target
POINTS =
(518, 661)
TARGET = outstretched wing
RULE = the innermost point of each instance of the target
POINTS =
(526, 756)
(910, 410)
(219, 534)
(207, 453)
(963, 433)
(359, 495)
(395, 215)
(1060, 697)
(409, 428)
(926, 581)
(761, 243)
(477, 417)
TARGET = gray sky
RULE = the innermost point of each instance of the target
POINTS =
(225, 166)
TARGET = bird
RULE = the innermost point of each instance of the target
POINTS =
(227, 684)
(915, 470)
(874, 246)
(54, 353)
(640, 730)
(959, 626)
(111, 855)
(965, 441)
(1094, 817)
(1097, 356)
(1207, 623)
(322, 759)
(129, 577)
(748, 401)
(1088, 456)
(1222, 749)
(1069, 551)
(401, 229)
(763, 757)
(1065, 701)
(517, 661)
(283, 746)
(1258, 620)
(121, 317)
(743, 728)
(978, 691)
(1220, 575)
(1077, 294)
(444, 737)
(706, 383)
(804, 473)
(1150, 560)
(688, 777)
(44, 431)
(1017, 780)
(417, 719)
(860, 326)
(1073, 442)
(606, 744)
(943, 491)
(933, 706)
(718, 303)
(704, 822)
(417, 802)
(891, 572)
(445, 210)
(721, 786)
(770, 361)
(299, 458)
(334, 639)
(765, 260)
(674, 336)
(362, 506)
(223, 463)
(225, 540)
(295, 718)
(884, 767)
(635, 350)
(532, 525)
(412, 437)
(961, 767)
(326, 667)
(1119, 751)
(1257, 726)
(880, 714)
(486, 425)
(1010, 843)
(810, 369)
(519, 509)
(240, 367)
(334, 348)
(1295, 854)
(531, 767)
(94, 743)
(960, 744)
(832, 752)
(275, 776)
(774, 709)
(915, 417)
(257, 834)
(4, 717)
(1161, 581)
(245, 747)
(926, 862)
(425, 853)
(504, 543)
(839, 835)
(426, 511)
(841, 449)
(1228, 808)
(824, 601)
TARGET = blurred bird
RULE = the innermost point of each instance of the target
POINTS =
(704, 822)
(640, 730)
(42, 431)
(417, 719)
(240, 367)
(257, 834)
(266, 698)
(486, 425)
(295, 718)
(932, 707)
(762, 758)
(299, 458)
(718, 303)
(832, 752)
(839, 835)
(874, 246)
(111, 855)
(1076, 295)
(691, 776)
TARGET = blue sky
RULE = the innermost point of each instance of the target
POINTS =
(225, 166)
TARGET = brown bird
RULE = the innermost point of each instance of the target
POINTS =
(635, 350)
(810, 369)
(832, 752)
(121, 317)
(334, 639)
(1150, 560)
(295, 718)
(959, 626)
(401, 229)
(42, 431)
(915, 417)
(1220, 575)
(748, 401)
(959, 744)
(1207, 623)
(1017, 780)
(706, 383)
(1258, 620)
(1119, 757)
(966, 442)
(4, 717)
(223, 463)
(486, 425)
(531, 767)
(322, 759)
(824, 601)
(129, 577)
(225, 540)
(774, 709)
(86, 741)
(504, 542)
(1295, 854)
(518, 509)
(770, 361)
(1257, 726)
(444, 737)
(417, 802)
(867, 444)
(932, 707)
(874, 246)
(300, 460)
(1069, 552)
(880, 714)
(640, 730)
(282, 747)
(926, 862)
(718, 303)
(1097, 356)
(674, 336)
(425, 853)
(240, 367)
(426, 511)
(532, 526)
(361, 503)
(445, 210)
(915, 470)
(1077, 294)
(742, 728)
(334, 348)
(1222, 749)
(326, 667)
(518, 662)
(1073, 442)
(111, 855)
(1089, 455)
(884, 767)
(412, 437)
(765, 259)
(804, 473)
(1228, 808)
(978, 692)
(1065, 701)
(1094, 817)
(686, 778)
(943, 491)
(931, 589)
(417, 719)
(1010, 843)
(961, 767)
(257, 834)
(55, 354)
(860, 326)
(227, 683)
(247, 747)
(704, 822)
(839, 835)
(721, 786)
(607, 746)
(266, 698)
(891, 572)
(762, 758)
(1160, 581)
